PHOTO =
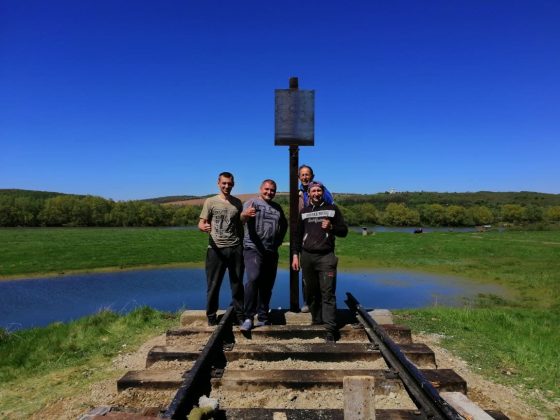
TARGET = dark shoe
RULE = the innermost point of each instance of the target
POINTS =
(212, 322)
(316, 322)
(305, 309)
(329, 338)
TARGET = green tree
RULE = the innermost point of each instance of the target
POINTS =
(552, 214)
(456, 216)
(99, 210)
(57, 211)
(397, 214)
(481, 215)
(432, 214)
(512, 213)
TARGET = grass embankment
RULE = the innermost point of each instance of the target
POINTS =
(51, 251)
(515, 342)
(39, 366)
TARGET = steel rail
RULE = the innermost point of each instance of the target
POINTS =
(197, 381)
(422, 392)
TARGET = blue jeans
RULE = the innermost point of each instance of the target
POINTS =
(260, 269)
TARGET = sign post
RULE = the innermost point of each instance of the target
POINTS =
(294, 115)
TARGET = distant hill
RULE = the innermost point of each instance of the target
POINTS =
(466, 199)
(199, 201)
(172, 199)
(42, 195)
(380, 200)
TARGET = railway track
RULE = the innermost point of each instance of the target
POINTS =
(287, 371)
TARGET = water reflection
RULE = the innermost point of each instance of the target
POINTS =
(38, 302)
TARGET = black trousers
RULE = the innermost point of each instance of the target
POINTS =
(319, 271)
(260, 274)
(217, 261)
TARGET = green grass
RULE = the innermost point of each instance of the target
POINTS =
(518, 347)
(41, 365)
(29, 251)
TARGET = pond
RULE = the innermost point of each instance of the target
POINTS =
(39, 302)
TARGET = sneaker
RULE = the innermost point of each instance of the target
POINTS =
(329, 338)
(305, 309)
(247, 325)
(212, 322)
(262, 323)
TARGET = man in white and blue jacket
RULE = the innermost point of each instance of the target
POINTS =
(318, 225)
(306, 175)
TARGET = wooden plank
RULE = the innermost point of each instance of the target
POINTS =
(399, 333)
(307, 414)
(151, 379)
(158, 353)
(418, 353)
(385, 380)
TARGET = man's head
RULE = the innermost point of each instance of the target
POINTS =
(225, 183)
(305, 174)
(315, 191)
(268, 190)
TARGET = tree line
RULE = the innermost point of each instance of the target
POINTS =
(28, 208)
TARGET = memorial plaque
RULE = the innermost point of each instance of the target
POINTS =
(294, 117)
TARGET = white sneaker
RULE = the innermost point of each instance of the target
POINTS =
(247, 325)
(305, 309)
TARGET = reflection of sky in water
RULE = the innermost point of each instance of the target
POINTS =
(37, 302)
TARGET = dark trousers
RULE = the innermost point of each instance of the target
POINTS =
(319, 272)
(260, 274)
(217, 261)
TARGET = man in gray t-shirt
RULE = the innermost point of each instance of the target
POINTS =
(221, 218)
(265, 228)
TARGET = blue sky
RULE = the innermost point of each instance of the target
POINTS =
(138, 99)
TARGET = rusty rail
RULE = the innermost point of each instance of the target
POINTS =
(197, 381)
(422, 392)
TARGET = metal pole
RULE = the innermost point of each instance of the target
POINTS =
(294, 212)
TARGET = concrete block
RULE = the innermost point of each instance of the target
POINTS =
(359, 399)
(382, 316)
(465, 406)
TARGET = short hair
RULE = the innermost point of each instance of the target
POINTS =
(269, 181)
(308, 167)
(226, 175)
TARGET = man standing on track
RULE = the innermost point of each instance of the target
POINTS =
(306, 175)
(265, 228)
(318, 224)
(220, 217)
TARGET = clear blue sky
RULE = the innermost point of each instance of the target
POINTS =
(138, 99)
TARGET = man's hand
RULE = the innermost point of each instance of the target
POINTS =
(204, 226)
(295, 263)
(326, 224)
(249, 212)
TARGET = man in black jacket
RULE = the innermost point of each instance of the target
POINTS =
(318, 224)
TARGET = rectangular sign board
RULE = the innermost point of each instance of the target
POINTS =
(294, 117)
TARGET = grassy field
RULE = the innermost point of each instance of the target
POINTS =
(41, 366)
(515, 342)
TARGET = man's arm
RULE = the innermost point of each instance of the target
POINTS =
(339, 227)
(297, 244)
(203, 221)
